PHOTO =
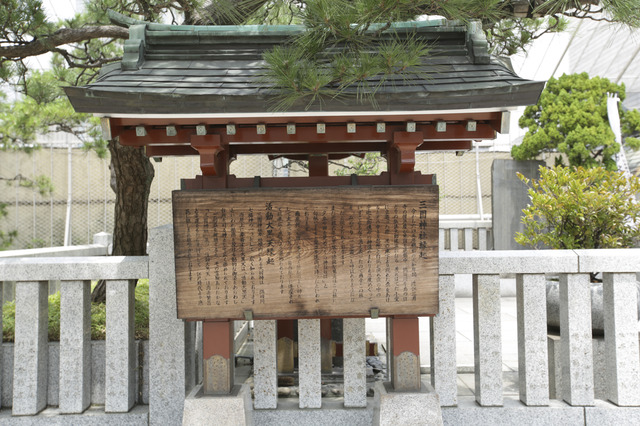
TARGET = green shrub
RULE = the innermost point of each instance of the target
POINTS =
(98, 316)
(577, 208)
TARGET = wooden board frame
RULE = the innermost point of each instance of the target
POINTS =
(275, 253)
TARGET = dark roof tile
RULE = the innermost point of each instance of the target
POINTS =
(219, 69)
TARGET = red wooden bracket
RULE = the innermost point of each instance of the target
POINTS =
(208, 146)
(406, 144)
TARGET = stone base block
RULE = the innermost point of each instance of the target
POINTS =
(224, 410)
(332, 413)
(514, 412)
(94, 415)
(406, 408)
(606, 413)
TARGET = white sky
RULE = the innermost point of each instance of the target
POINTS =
(62, 8)
(56, 9)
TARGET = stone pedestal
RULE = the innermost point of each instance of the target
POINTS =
(224, 410)
(406, 408)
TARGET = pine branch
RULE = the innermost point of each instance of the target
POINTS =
(61, 37)
(72, 60)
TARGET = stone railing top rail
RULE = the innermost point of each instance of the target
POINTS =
(462, 224)
(83, 250)
(74, 268)
(539, 261)
(457, 262)
(101, 246)
(461, 221)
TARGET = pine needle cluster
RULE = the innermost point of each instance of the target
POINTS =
(351, 48)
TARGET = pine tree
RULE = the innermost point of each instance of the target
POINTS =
(570, 119)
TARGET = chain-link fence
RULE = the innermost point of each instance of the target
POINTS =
(457, 178)
(40, 220)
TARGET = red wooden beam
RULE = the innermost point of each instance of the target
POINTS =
(215, 182)
(494, 116)
(298, 151)
(169, 150)
(459, 131)
(128, 137)
(437, 145)
(310, 148)
(306, 134)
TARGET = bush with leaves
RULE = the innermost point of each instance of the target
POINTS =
(578, 208)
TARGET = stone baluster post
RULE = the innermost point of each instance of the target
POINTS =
(575, 339)
(533, 372)
(620, 300)
(265, 371)
(75, 346)
(443, 344)
(120, 371)
(309, 363)
(487, 336)
(355, 363)
(31, 349)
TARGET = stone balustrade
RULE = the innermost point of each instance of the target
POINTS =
(173, 359)
(486, 267)
(464, 233)
(31, 360)
(619, 269)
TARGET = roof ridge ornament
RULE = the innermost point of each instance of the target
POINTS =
(123, 20)
(477, 43)
(133, 56)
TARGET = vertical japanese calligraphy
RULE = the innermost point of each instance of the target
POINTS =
(306, 252)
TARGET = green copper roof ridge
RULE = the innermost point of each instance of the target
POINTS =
(291, 29)
(125, 21)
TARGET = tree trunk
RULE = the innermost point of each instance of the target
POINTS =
(133, 176)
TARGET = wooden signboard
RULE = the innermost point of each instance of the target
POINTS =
(306, 252)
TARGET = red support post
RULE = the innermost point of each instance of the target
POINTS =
(218, 357)
(404, 336)
(318, 165)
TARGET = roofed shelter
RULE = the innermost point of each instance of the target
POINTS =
(198, 90)
(173, 79)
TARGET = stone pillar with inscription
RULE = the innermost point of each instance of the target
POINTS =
(217, 356)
